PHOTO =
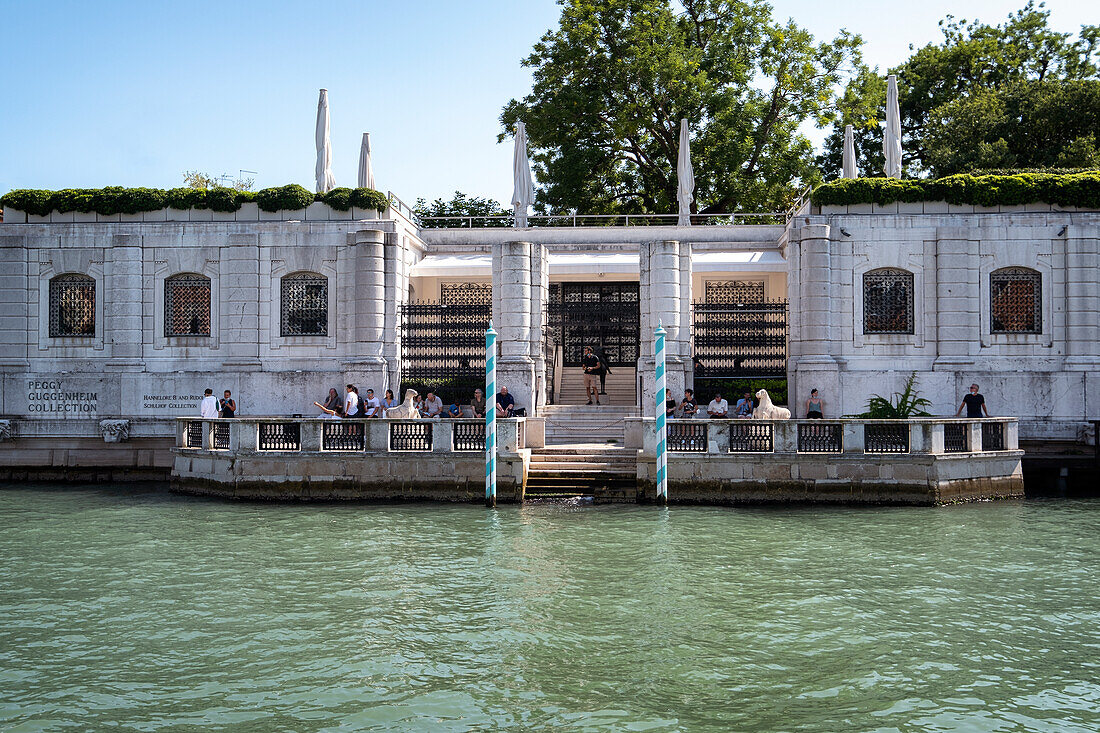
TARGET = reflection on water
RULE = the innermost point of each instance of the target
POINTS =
(147, 611)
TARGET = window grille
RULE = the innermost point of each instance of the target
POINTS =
(879, 438)
(750, 437)
(280, 436)
(469, 436)
(956, 437)
(993, 436)
(817, 437)
(221, 435)
(687, 437)
(72, 306)
(305, 305)
(466, 293)
(187, 306)
(731, 292)
(345, 436)
(1015, 301)
(410, 436)
(888, 301)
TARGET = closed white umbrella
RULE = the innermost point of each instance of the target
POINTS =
(891, 142)
(848, 168)
(523, 195)
(325, 180)
(366, 172)
(685, 177)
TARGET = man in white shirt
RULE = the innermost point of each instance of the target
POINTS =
(371, 406)
(718, 407)
(209, 407)
(351, 402)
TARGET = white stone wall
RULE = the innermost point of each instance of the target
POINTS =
(1049, 379)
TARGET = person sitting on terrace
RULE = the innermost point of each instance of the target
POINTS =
(744, 406)
(506, 404)
(718, 407)
(477, 404)
(432, 407)
(371, 406)
(815, 408)
(388, 402)
(688, 406)
(351, 402)
(453, 410)
(333, 407)
(670, 408)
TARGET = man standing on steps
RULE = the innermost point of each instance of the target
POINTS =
(591, 365)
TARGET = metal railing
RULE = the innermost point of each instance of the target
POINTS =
(221, 436)
(956, 438)
(687, 437)
(468, 436)
(993, 436)
(818, 437)
(884, 438)
(193, 435)
(281, 436)
(600, 220)
(751, 437)
(339, 435)
(396, 204)
(414, 435)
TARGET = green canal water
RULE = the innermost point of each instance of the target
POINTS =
(124, 610)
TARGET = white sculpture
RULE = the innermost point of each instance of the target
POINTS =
(405, 409)
(114, 431)
(767, 411)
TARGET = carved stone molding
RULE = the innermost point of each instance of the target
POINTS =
(7, 430)
(114, 431)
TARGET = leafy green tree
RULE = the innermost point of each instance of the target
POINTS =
(973, 58)
(612, 82)
(483, 210)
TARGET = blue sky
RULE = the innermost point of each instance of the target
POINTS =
(134, 93)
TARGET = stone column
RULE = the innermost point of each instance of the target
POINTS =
(239, 271)
(816, 367)
(365, 362)
(1082, 298)
(122, 302)
(396, 294)
(512, 320)
(660, 293)
(957, 317)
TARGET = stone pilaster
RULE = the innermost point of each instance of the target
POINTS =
(512, 295)
(1082, 299)
(123, 306)
(540, 295)
(816, 368)
(957, 317)
(366, 362)
(239, 271)
(397, 293)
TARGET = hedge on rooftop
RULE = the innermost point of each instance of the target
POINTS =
(1074, 189)
(119, 200)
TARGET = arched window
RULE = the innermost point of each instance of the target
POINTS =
(305, 304)
(888, 301)
(1015, 300)
(72, 306)
(187, 305)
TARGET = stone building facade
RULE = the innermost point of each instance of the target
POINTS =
(132, 317)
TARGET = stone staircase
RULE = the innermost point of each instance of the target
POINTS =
(570, 424)
(620, 387)
(563, 472)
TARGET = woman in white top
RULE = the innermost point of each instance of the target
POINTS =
(351, 402)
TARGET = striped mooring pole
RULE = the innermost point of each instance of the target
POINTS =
(662, 428)
(490, 416)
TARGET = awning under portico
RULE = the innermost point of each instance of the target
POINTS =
(594, 263)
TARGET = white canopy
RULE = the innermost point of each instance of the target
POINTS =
(685, 177)
(523, 194)
(593, 264)
(848, 169)
(366, 171)
(325, 180)
(891, 141)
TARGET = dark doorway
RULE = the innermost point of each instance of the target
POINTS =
(604, 316)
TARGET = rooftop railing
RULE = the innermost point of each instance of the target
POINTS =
(599, 220)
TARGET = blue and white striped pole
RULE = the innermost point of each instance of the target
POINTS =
(662, 428)
(490, 416)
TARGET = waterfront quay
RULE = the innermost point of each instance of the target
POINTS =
(928, 461)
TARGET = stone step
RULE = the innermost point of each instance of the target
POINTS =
(565, 465)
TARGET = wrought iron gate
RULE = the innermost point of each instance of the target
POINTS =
(443, 347)
(740, 340)
(604, 316)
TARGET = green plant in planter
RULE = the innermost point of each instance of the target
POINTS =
(908, 404)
